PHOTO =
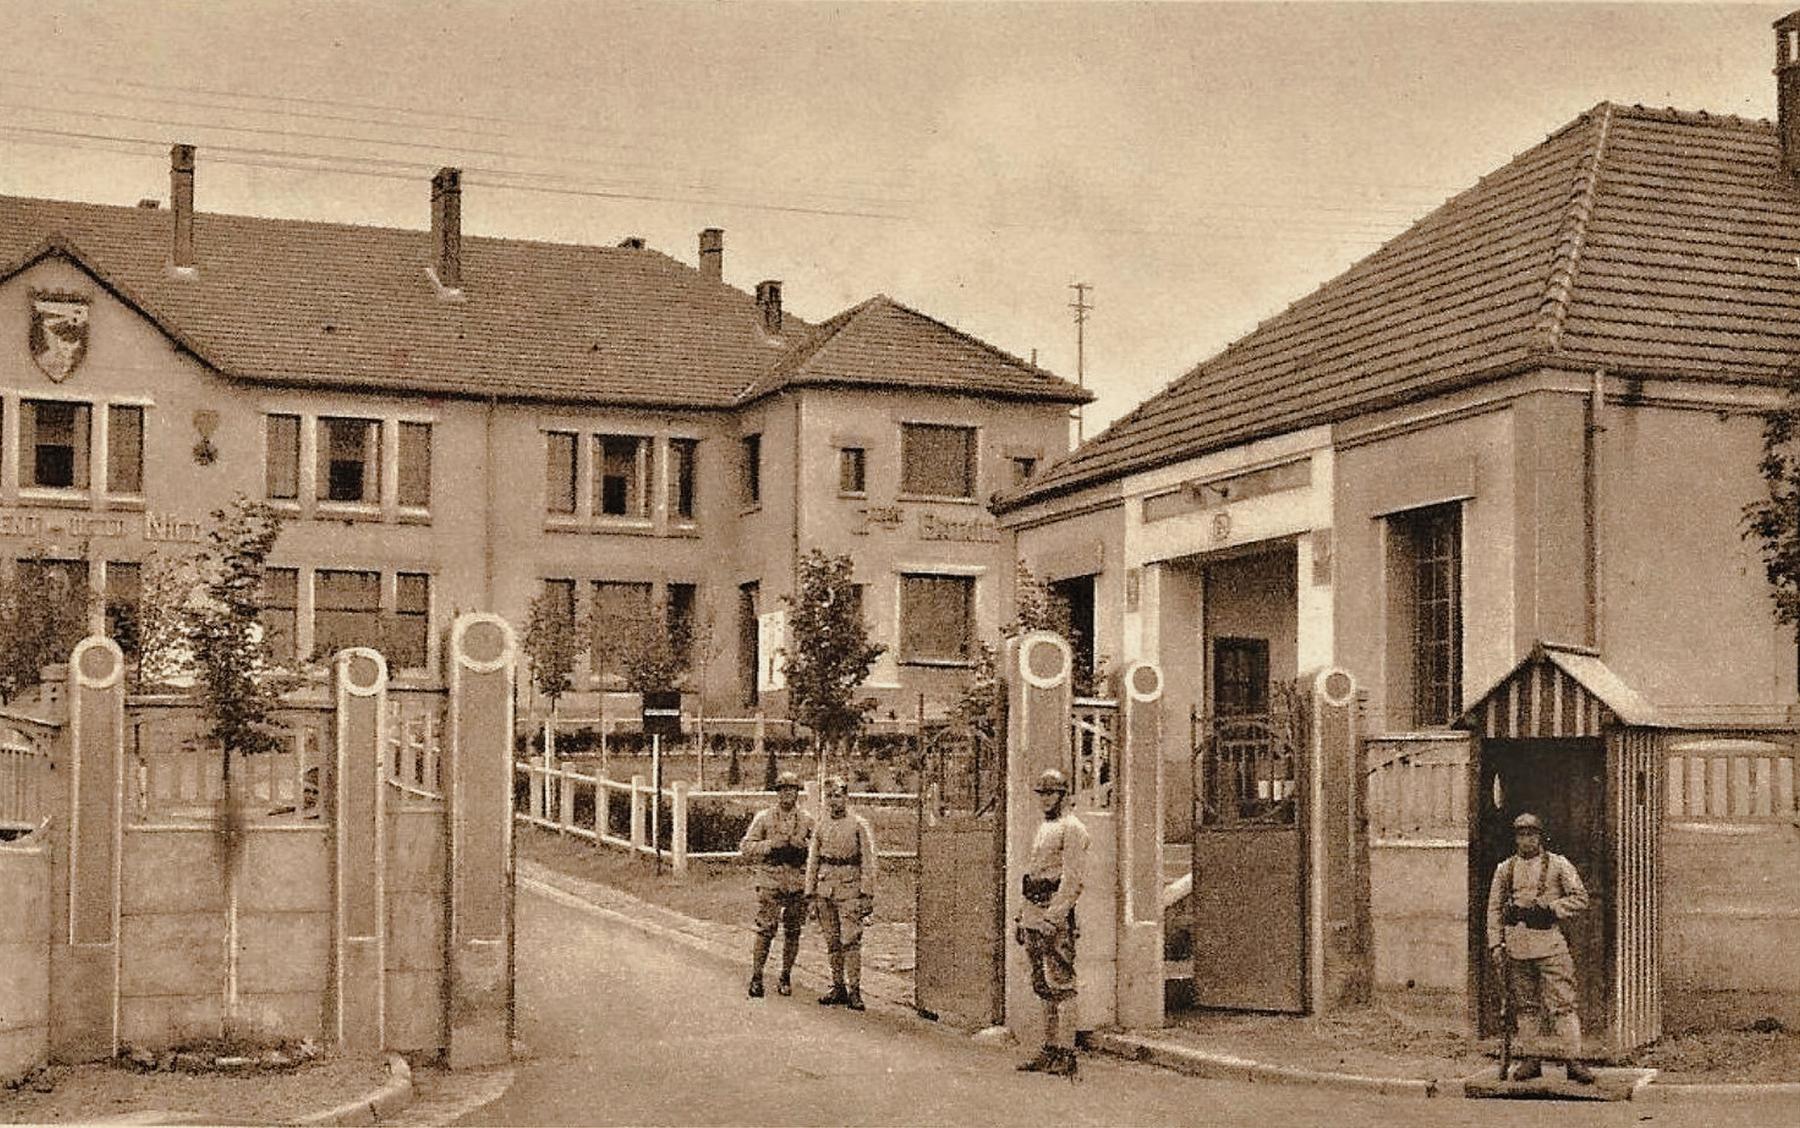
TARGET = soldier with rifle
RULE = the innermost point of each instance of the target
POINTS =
(1532, 894)
(777, 839)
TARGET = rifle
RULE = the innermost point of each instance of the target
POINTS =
(1506, 1010)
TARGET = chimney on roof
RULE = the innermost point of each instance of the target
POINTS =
(446, 228)
(768, 299)
(1787, 90)
(150, 203)
(712, 254)
(632, 243)
(181, 201)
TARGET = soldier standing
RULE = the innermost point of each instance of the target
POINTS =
(840, 881)
(777, 838)
(1533, 892)
(1046, 921)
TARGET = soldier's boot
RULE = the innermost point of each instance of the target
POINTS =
(1045, 1055)
(1063, 1064)
(1568, 1033)
(790, 949)
(1580, 1073)
(758, 957)
(837, 996)
(1528, 1069)
(853, 972)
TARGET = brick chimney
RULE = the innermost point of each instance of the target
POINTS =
(768, 299)
(446, 228)
(181, 203)
(712, 254)
(1787, 90)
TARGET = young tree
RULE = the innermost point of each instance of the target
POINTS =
(44, 611)
(152, 631)
(831, 653)
(1774, 521)
(239, 688)
(553, 645)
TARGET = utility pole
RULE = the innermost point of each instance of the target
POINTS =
(1082, 309)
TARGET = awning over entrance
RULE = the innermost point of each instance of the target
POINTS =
(1557, 691)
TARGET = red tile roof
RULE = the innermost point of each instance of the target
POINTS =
(1647, 242)
(882, 343)
(342, 306)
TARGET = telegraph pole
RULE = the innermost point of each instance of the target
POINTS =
(1082, 309)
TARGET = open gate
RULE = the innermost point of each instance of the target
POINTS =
(959, 937)
(1249, 905)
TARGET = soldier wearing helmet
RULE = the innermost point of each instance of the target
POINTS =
(1046, 920)
(776, 840)
(840, 882)
(1532, 893)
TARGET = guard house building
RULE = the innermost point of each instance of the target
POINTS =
(454, 423)
(1503, 458)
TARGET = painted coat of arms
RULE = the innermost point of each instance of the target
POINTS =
(59, 333)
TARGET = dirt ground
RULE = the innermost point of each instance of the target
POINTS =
(89, 1093)
(717, 891)
(1704, 1056)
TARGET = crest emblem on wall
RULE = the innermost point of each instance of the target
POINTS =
(59, 333)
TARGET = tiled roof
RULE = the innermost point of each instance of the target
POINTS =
(882, 343)
(334, 305)
(1648, 242)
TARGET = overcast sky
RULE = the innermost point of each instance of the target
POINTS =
(1200, 165)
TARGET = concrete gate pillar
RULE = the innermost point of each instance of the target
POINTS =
(359, 690)
(1039, 695)
(483, 655)
(1140, 802)
(85, 1008)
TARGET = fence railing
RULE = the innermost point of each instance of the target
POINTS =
(414, 746)
(1730, 780)
(1093, 738)
(173, 771)
(26, 758)
(1418, 789)
(554, 790)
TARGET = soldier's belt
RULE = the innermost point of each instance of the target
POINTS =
(787, 856)
(852, 860)
(1039, 890)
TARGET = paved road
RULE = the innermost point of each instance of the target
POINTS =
(625, 1028)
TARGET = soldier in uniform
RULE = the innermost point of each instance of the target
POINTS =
(777, 839)
(1533, 892)
(840, 881)
(1046, 921)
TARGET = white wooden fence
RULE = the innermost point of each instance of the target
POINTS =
(25, 762)
(552, 786)
(1418, 789)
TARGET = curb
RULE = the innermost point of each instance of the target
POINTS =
(372, 1107)
(1227, 1067)
(1696, 1093)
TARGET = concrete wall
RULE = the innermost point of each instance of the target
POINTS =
(1419, 908)
(172, 921)
(1687, 618)
(283, 890)
(25, 916)
(415, 928)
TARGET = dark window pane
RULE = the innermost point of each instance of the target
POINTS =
(407, 641)
(559, 472)
(415, 465)
(679, 619)
(349, 460)
(935, 618)
(124, 584)
(750, 471)
(280, 608)
(1432, 538)
(282, 475)
(125, 450)
(621, 613)
(56, 438)
(852, 470)
(937, 461)
(619, 476)
(346, 610)
(683, 465)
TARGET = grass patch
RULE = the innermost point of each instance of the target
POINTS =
(1764, 1052)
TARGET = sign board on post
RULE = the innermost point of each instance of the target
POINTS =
(662, 713)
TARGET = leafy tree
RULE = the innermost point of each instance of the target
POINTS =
(44, 612)
(831, 654)
(1774, 521)
(652, 657)
(239, 688)
(553, 645)
(1035, 608)
(152, 631)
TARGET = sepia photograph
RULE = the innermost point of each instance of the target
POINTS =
(651, 562)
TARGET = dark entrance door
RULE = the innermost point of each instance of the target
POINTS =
(1249, 901)
(1563, 782)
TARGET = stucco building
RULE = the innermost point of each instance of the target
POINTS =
(456, 423)
(1535, 417)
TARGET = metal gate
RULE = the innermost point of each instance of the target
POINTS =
(1249, 894)
(959, 937)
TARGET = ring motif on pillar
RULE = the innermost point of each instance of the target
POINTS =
(1144, 682)
(97, 663)
(361, 671)
(481, 642)
(1335, 686)
(1032, 649)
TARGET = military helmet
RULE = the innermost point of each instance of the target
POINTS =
(1051, 780)
(1528, 821)
(787, 780)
